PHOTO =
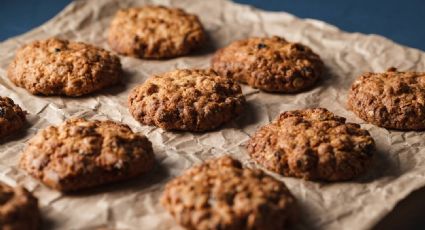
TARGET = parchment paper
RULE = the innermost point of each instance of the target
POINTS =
(400, 162)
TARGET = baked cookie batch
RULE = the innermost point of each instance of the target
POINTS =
(312, 144)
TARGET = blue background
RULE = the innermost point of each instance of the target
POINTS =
(401, 21)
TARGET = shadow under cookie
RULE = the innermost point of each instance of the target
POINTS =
(156, 176)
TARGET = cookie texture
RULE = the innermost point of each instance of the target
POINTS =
(191, 100)
(155, 32)
(18, 209)
(61, 67)
(80, 154)
(394, 100)
(221, 194)
(313, 144)
(12, 117)
(271, 64)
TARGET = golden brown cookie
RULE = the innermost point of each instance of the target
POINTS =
(221, 194)
(270, 64)
(12, 117)
(61, 67)
(394, 100)
(313, 144)
(79, 154)
(191, 100)
(18, 209)
(155, 32)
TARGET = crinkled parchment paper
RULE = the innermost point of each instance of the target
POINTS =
(400, 161)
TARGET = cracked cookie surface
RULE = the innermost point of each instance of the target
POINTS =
(155, 32)
(12, 117)
(60, 67)
(191, 100)
(18, 209)
(79, 154)
(313, 144)
(393, 99)
(222, 194)
(270, 64)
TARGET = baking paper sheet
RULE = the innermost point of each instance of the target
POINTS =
(400, 161)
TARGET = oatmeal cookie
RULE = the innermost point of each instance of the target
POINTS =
(394, 100)
(18, 209)
(80, 154)
(155, 32)
(61, 67)
(270, 64)
(12, 117)
(313, 144)
(221, 194)
(191, 100)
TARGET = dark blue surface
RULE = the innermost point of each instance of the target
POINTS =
(19, 16)
(401, 21)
